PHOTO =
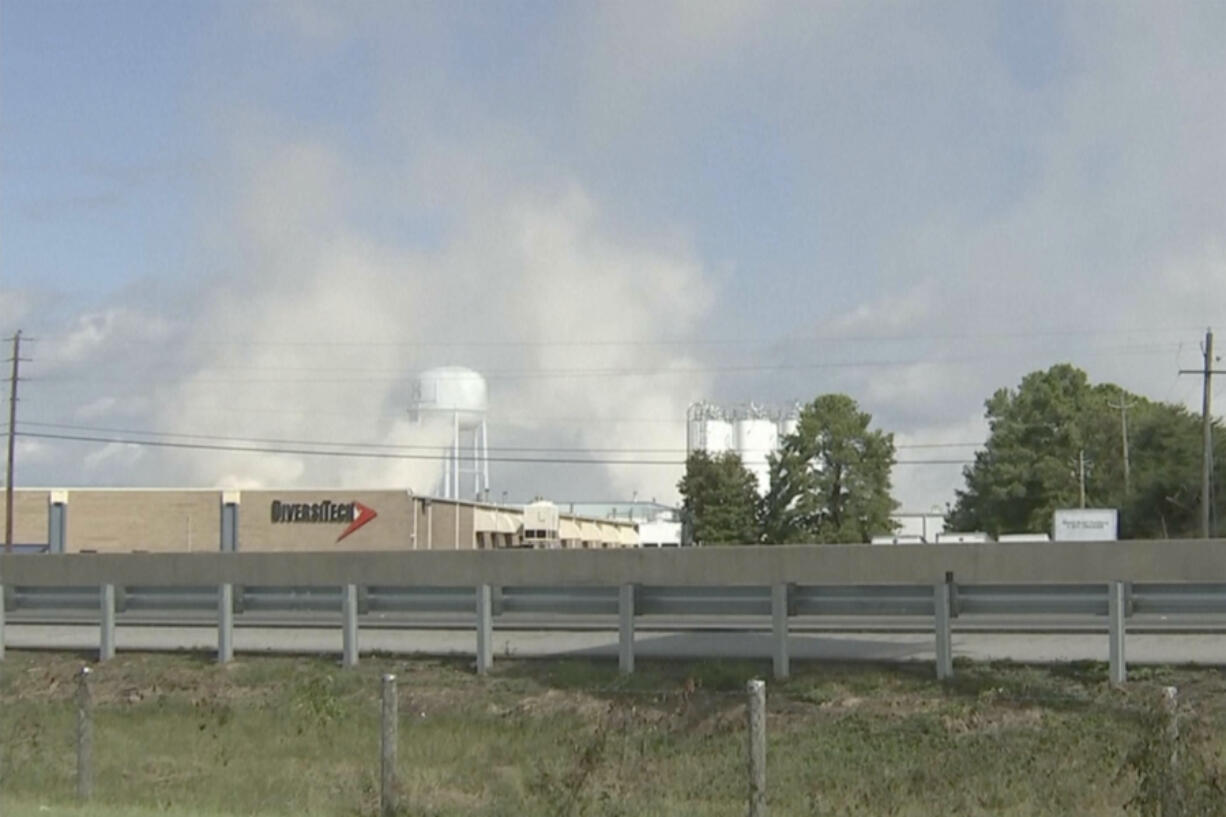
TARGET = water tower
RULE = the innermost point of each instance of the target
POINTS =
(458, 397)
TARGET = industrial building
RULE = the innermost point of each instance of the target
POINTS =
(659, 525)
(109, 520)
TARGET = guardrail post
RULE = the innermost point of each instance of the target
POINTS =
(2, 592)
(106, 640)
(953, 593)
(57, 521)
(779, 629)
(85, 737)
(756, 707)
(940, 626)
(485, 630)
(1115, 632)
(349, 634)
(625, 629)
(225, 623)
(388, 740)
(229, 521)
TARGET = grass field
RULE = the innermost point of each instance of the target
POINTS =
(179, 735)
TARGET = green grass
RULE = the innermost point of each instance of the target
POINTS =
(181, 736)
(32, 809)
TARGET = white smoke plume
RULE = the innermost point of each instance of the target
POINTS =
(318, 330)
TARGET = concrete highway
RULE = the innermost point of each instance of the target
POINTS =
(1207, 648)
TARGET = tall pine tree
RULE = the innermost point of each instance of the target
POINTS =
(830, 480)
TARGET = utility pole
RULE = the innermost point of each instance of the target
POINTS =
(1123, 407)
(8, 482)
(1081, 475)
(1206, 472)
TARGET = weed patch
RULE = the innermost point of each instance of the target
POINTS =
(299, 736)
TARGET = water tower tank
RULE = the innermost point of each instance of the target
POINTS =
(452, 390)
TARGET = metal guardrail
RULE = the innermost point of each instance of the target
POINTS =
(803, 600)
(779, 584)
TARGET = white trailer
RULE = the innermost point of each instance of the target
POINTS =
(949, 537)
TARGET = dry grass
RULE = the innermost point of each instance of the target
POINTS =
(180, 735)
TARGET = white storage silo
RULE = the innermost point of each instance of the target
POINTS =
(789, 423)
(756, 439)
(707, 429)
(713, 436)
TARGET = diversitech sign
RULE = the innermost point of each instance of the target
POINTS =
(327, 511)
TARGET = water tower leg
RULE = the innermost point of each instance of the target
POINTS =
(477, 464)
(455, 455)
(485, 457)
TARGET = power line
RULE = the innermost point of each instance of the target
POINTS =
(805, 340)
(340, 443)
(403, 446)
(386, 454)
(493, 417)
(394, 375)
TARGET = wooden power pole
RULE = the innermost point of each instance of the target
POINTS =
(8, 482)
(1206, 471)
(1081, 475)
(1123, 407)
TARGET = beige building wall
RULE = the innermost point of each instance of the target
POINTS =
(156, 521)
(390, 529)
(190, 520)
(29, 516)
(450, 525)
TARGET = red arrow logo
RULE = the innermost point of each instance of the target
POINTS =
(361, 515)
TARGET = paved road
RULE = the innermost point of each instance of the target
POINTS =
(1151, 648)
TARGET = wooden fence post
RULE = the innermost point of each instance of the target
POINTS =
(757, 748)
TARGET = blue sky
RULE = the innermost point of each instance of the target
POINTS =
(949, 188)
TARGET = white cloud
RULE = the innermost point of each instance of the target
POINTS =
(891, 171)
(114, 459)
(326, 324)
(15, 306)
(923, 488)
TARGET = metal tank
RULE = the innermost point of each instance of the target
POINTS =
(790, 422)
(756, 438)
(708, 429)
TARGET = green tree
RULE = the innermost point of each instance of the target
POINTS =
(830, 480)
(1166, 450)
(720, 499)
(1037, 434)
